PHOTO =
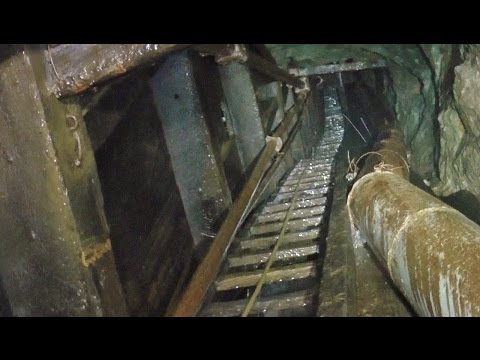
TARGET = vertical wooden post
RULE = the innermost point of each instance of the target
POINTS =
(55, 251)
(185, 118)
(244, 112)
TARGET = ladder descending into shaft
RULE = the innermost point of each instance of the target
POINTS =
(291, 284)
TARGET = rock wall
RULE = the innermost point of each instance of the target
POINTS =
(414, 95)
(435, 93)
(459, 122)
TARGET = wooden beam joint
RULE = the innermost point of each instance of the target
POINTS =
(76, 68)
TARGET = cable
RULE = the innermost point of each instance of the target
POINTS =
(359, 133)
(258, 288)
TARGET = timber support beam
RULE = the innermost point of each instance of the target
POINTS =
(55, 251)
(336, 68)
(75, 68)
(186, 119)
(226, 53)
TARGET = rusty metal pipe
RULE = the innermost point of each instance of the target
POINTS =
(431, 250)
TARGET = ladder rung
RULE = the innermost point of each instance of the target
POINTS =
(299, 213)
(273, 207)
(282, 273)
(263, 242)
(260, 229)
(283, 254)
(275, 303)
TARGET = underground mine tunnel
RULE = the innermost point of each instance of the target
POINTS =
(239, 180)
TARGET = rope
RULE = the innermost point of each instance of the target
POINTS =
(353, 165)
(381, 166)
(401, 157)
(258, 287)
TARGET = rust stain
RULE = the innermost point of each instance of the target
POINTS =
(94, 252)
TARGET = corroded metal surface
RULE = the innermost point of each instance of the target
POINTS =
(431, 251)
(75, 68)
(388, 153)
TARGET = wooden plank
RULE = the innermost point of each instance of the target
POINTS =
(254, 61)
(187, 119)
(176, 268)
(250, 278)
(334, 68)
(296, 214)
(160, 238)
(102, 120)
(316, 177)
(286, 253)
(192, 298)
(77, 67)
(263, 242)
(205, 273)
(276, 303)
(55, 251)
(304, 195)
(260, 229)
(323, 166)
(310, 173)
(180, 285)
(307, 180)
(264, 66)
(239, 93)
(314, 170)
(317, 161)
(304, 186)
(272, 207)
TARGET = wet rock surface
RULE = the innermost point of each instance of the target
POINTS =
(433, 90)
(460, 128)
(412, 89)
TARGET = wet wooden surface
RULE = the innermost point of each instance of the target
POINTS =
(50, 209)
